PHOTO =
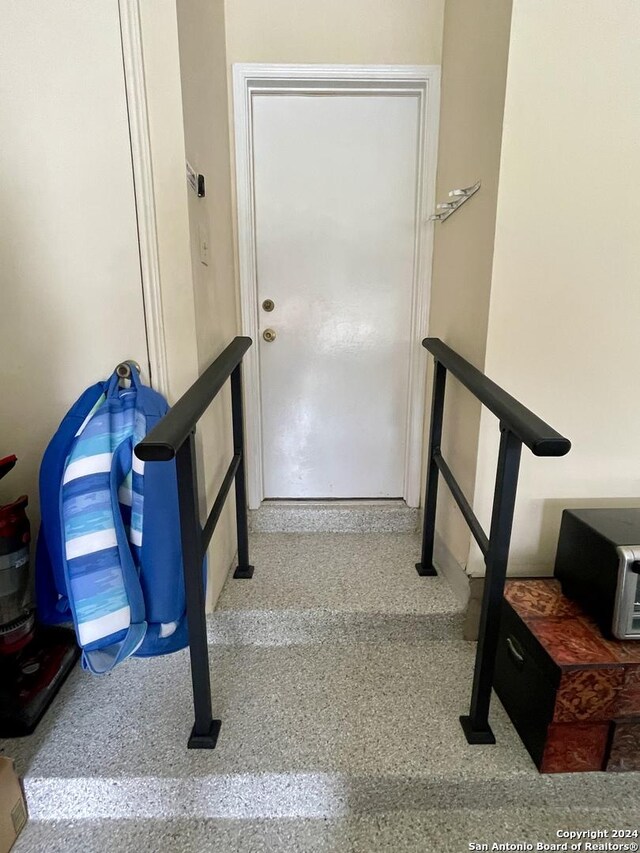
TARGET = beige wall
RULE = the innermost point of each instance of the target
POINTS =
(185, 69)
(565, 302)
(201, 25)
(358, 31)
(70, 290)
(476, 43)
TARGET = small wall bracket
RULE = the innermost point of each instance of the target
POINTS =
(195, 180)
(459, 197)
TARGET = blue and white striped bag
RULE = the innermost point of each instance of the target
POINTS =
(119, 524)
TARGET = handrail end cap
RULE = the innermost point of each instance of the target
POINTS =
(152, 452)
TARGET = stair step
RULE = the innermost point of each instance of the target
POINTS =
(311, 588)
(282, 628)
(334, 517)
(309, 796)
(339, 730)
(430, 831)
(309, 732)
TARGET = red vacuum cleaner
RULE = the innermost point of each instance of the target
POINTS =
(34, 660)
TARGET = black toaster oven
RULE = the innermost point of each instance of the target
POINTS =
(598, 564)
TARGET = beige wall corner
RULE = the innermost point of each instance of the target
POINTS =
(474, 69)
(450, 568)
(565, 299)
(471, 624)
(203, 68)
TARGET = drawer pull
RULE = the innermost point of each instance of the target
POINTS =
(515, 650)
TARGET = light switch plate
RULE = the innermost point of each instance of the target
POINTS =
(203, 238)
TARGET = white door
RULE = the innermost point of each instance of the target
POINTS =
(335, 185)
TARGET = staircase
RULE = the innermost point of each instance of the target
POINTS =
(339, 675)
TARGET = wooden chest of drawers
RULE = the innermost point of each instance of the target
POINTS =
(573, 696)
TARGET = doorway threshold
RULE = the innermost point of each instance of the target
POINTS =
(334, 516)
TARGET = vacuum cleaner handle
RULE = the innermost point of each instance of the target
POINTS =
(7, 464)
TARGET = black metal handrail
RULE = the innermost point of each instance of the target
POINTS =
(539, 437)
(173, 437)
(518, 426)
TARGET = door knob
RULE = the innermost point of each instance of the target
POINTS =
(269, 335)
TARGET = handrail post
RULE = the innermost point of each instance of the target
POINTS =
(244, 569)
(425, 567)
(205, 729)
(476, 725)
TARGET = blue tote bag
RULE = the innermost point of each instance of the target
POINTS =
(109, 553)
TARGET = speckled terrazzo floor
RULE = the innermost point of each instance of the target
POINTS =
(326, 744)
(341, 587)
(381, 516)
(432, 831)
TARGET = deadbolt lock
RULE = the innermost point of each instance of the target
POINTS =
(269, 335)
(268, 305)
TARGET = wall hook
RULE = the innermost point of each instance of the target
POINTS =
(459, 197)
(124, 368)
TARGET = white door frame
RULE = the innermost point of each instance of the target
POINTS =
(139, 134)
(422, 81)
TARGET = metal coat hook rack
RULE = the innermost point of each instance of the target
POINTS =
(459, 197)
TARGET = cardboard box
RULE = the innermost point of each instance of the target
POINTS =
(13, 809)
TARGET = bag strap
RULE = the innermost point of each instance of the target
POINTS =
(96, 658)
(100, 661)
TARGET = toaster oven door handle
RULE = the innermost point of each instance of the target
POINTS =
(515, 651)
